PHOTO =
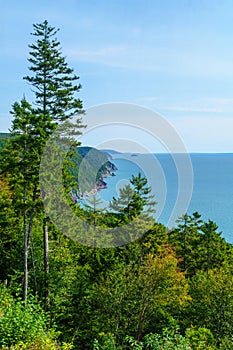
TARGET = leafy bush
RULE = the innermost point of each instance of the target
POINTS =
(169, 339)
(24, 327)
(200, 338)
(226, 343)
(105, 342)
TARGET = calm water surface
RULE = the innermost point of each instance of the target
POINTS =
(211, 196)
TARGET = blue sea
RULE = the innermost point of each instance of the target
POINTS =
(180, 184)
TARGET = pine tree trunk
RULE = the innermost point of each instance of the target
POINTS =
(30, 245)
(25, 289)
(46, 261)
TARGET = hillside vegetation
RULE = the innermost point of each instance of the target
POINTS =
(3, 137)
(87, 278)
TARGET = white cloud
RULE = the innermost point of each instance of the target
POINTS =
(207, 105)
(107, 55)
(167, 59)
(202, 133)
(148, 99)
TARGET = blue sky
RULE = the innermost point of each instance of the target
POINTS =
(173, 57)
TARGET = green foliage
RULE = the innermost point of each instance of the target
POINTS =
(54, 87)
(20, 324)
(91, 167)
(105, 342)
(53, 80)
(199, 245)
(3, 139)
(200, 338)
(212, 301)
(169, 339)
(132, 296)
(10, 230)
(21, 155)
(226, 343)
(134, 199)
(150, 289)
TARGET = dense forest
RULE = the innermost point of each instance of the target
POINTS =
(146, 288)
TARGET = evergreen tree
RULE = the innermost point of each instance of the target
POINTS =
(186, 239)
(134, 199)
(53, 80)
(20, 158)
(54, 85)
(199, 245)
(213, 248)
(10, 242)
(122, 205)
(142, 198)
(93, 209)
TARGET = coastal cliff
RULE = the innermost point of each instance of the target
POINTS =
(91, 167)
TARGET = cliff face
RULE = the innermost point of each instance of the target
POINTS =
(92, 167)
(106, 170)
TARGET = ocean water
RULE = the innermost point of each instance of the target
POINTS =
(203, 183)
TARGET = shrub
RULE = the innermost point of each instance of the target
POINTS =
(200, 338)
(25, 327)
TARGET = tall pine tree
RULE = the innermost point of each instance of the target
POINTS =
(54, 85)
(53, 80)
